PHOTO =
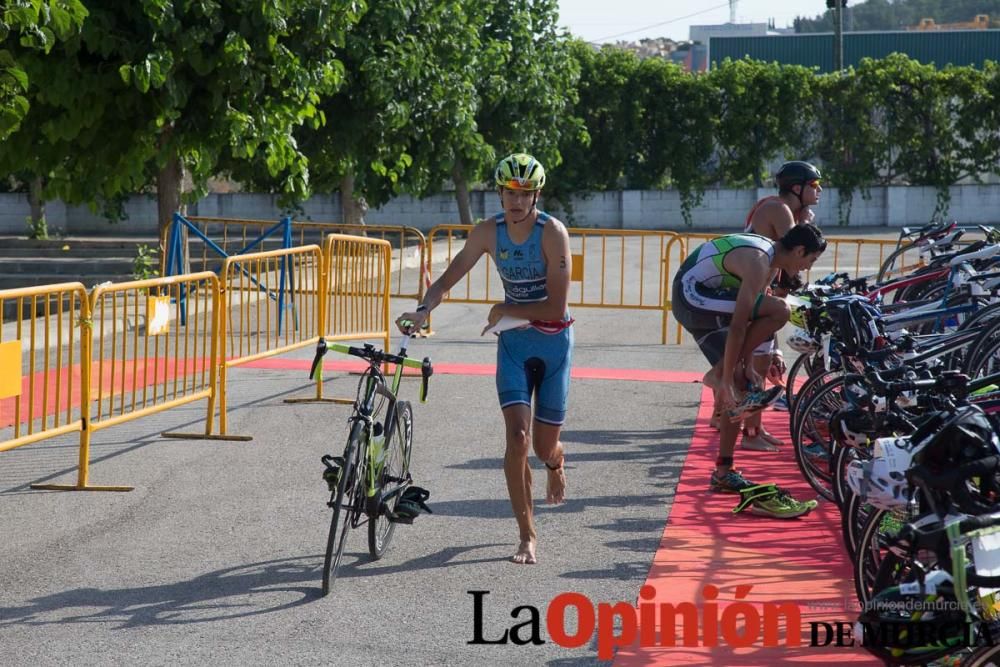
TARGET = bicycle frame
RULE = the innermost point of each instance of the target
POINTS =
(373, 440)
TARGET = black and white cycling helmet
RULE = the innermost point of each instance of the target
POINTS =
(794, 173)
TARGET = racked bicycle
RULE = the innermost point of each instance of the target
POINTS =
(371, 482)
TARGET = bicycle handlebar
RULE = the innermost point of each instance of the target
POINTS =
(375, 356)
(950, 381)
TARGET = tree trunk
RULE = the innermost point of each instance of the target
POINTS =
(352, 208)
(168, 192)
(461, 192)
(39, 228)
(169, 182)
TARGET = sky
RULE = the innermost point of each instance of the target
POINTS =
(630, 20)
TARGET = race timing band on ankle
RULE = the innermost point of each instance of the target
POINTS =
(724, 461)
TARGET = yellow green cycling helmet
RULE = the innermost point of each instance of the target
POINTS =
(520, 171)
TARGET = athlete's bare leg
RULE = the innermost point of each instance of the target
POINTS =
(517, 419)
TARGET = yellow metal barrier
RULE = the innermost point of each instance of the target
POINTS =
(408, 246)
(357, 300)
(79, 364)
(42, 361)
(622, 269)
(271, 305)
(149, 345)
(674, 255)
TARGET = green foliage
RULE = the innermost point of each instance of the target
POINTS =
(759, 116)
(38, 24)
(214, 83)
(145, 264)
(674, 144)
(594, 156)
(898, 121)
(527, 83)
(37, 229)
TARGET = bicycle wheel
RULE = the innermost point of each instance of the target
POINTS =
(987, 656)
(808, 390)
(852, 522)
(802, 366)
(814, 447)
(395, 477)
(345, 505)
(872, 548)
(889, 265)
(842, 492)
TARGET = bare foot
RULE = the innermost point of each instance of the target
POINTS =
(757, 443)
(555, 487)
(777, 442)
(710, 379)
(525, 553)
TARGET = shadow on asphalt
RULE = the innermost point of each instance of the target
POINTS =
(499, 508)
(41, 455)
(248, 590)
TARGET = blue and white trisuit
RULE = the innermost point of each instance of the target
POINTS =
(534, 359)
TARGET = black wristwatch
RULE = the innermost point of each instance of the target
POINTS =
(421, 308)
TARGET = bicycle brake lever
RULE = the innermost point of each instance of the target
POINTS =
(321, 350)
(426, 371)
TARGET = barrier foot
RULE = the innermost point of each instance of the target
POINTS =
(202, 436)
(74, 487)
(338, 401)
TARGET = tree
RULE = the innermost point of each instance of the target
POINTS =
(527, 83)
(900, 14)
(849, 135)
(407, 97)
(610, 115)
(37, 24)
(760, 115)
(151, 89)
(675, 140)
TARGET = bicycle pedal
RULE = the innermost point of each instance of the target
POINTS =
(332, 473)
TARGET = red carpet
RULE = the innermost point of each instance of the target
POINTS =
(798, 561)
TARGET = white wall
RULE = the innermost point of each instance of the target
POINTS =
(629, 209)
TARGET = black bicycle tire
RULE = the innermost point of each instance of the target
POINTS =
(984, 343)
(802, 361)
(886, 267)
(380, 529)
(343, 508)
(809, 472)
(840, 489)
(987, 656)
(847, 514)
(812, 384)
(862, 549)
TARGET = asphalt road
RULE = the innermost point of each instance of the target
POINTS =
(216, 555)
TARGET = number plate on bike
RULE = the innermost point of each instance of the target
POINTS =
(986, 553)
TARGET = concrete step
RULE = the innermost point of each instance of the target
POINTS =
(78, 242)
(15, 280)
(58, 252)
(9, 281)
(68, 266)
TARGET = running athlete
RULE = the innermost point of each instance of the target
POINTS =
(531, 251)
(798, 189)
(719, 297)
